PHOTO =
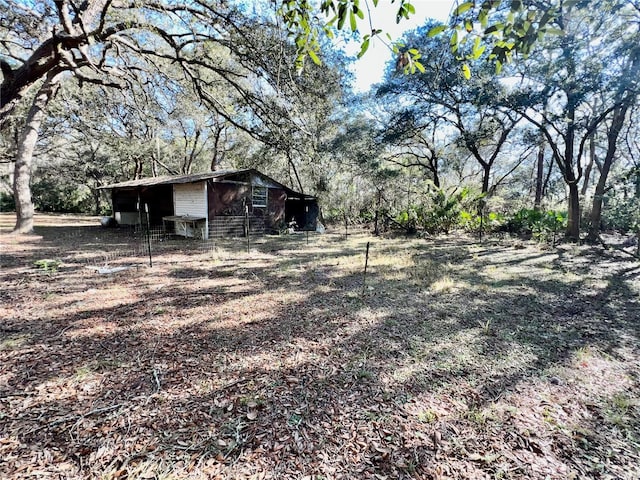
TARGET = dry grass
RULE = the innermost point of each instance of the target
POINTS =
(456, 360)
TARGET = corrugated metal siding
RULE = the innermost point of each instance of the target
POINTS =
(233, 226)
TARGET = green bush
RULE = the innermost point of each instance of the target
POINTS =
(440, 215)
(444, 214)
(52, 195)
(7, 202)
(622, 214)
(470, 221)
(537, 223)
(408, 218)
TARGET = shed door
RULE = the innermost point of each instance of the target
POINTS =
(191, 199)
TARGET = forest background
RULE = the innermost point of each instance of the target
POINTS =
(454, 135)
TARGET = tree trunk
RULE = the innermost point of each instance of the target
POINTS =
(24, 157)
(612, 143)
(592, 157)
(573, 216)
(96, 197)
(486, 177)
(539, 179)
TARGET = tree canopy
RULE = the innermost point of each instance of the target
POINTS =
(172, 86)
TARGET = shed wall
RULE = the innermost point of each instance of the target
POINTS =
(228, 198)
(276, 205)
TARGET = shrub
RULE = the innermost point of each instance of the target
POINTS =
(537, 223)
(52, 195)
(408, 218)
(7, 202)
(470, 221)
(440, 215)
(621, 214)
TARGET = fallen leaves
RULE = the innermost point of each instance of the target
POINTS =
(299, 375)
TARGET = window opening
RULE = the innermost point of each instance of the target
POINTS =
(259, 197)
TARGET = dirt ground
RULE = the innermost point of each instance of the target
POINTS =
(451, 359)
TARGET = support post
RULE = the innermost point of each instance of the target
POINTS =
(306, 221)
(247, 226)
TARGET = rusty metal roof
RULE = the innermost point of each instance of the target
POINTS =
(172, 179)
(197, 177)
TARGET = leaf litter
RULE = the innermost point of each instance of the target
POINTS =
(462, 360)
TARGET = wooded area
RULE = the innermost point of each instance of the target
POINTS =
(494, 171)
(119, 92)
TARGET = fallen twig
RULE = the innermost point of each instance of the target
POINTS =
(233, 384)
(155, 377)
(619, 249)
(77, 418)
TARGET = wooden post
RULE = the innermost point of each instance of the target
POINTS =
(306, 221)
(346, 226)
(366, 262)
(146, 209)
(481, 209)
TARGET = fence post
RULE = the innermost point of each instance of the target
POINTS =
(364, 275)
(146, 209)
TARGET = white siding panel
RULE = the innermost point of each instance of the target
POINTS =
(191, 199)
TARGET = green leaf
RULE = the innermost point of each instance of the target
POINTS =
(545, 19)
(342, 16)
(478, 49)
(477, 52)
(314, 57)
(493, 29)
(463, 7)
(410, 8)
(466, 71)
(352, 20)
(419, 66)
(483, 18)
(413, 51)
(436, 30)
(364, 47)
(498, 67)
(453, 41)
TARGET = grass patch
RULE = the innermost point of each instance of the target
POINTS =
(14, 341)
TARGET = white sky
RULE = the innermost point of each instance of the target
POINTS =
(370, 68)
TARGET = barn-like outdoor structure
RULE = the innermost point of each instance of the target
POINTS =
(213, 204)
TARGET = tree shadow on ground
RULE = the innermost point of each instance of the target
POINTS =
(254, 363)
